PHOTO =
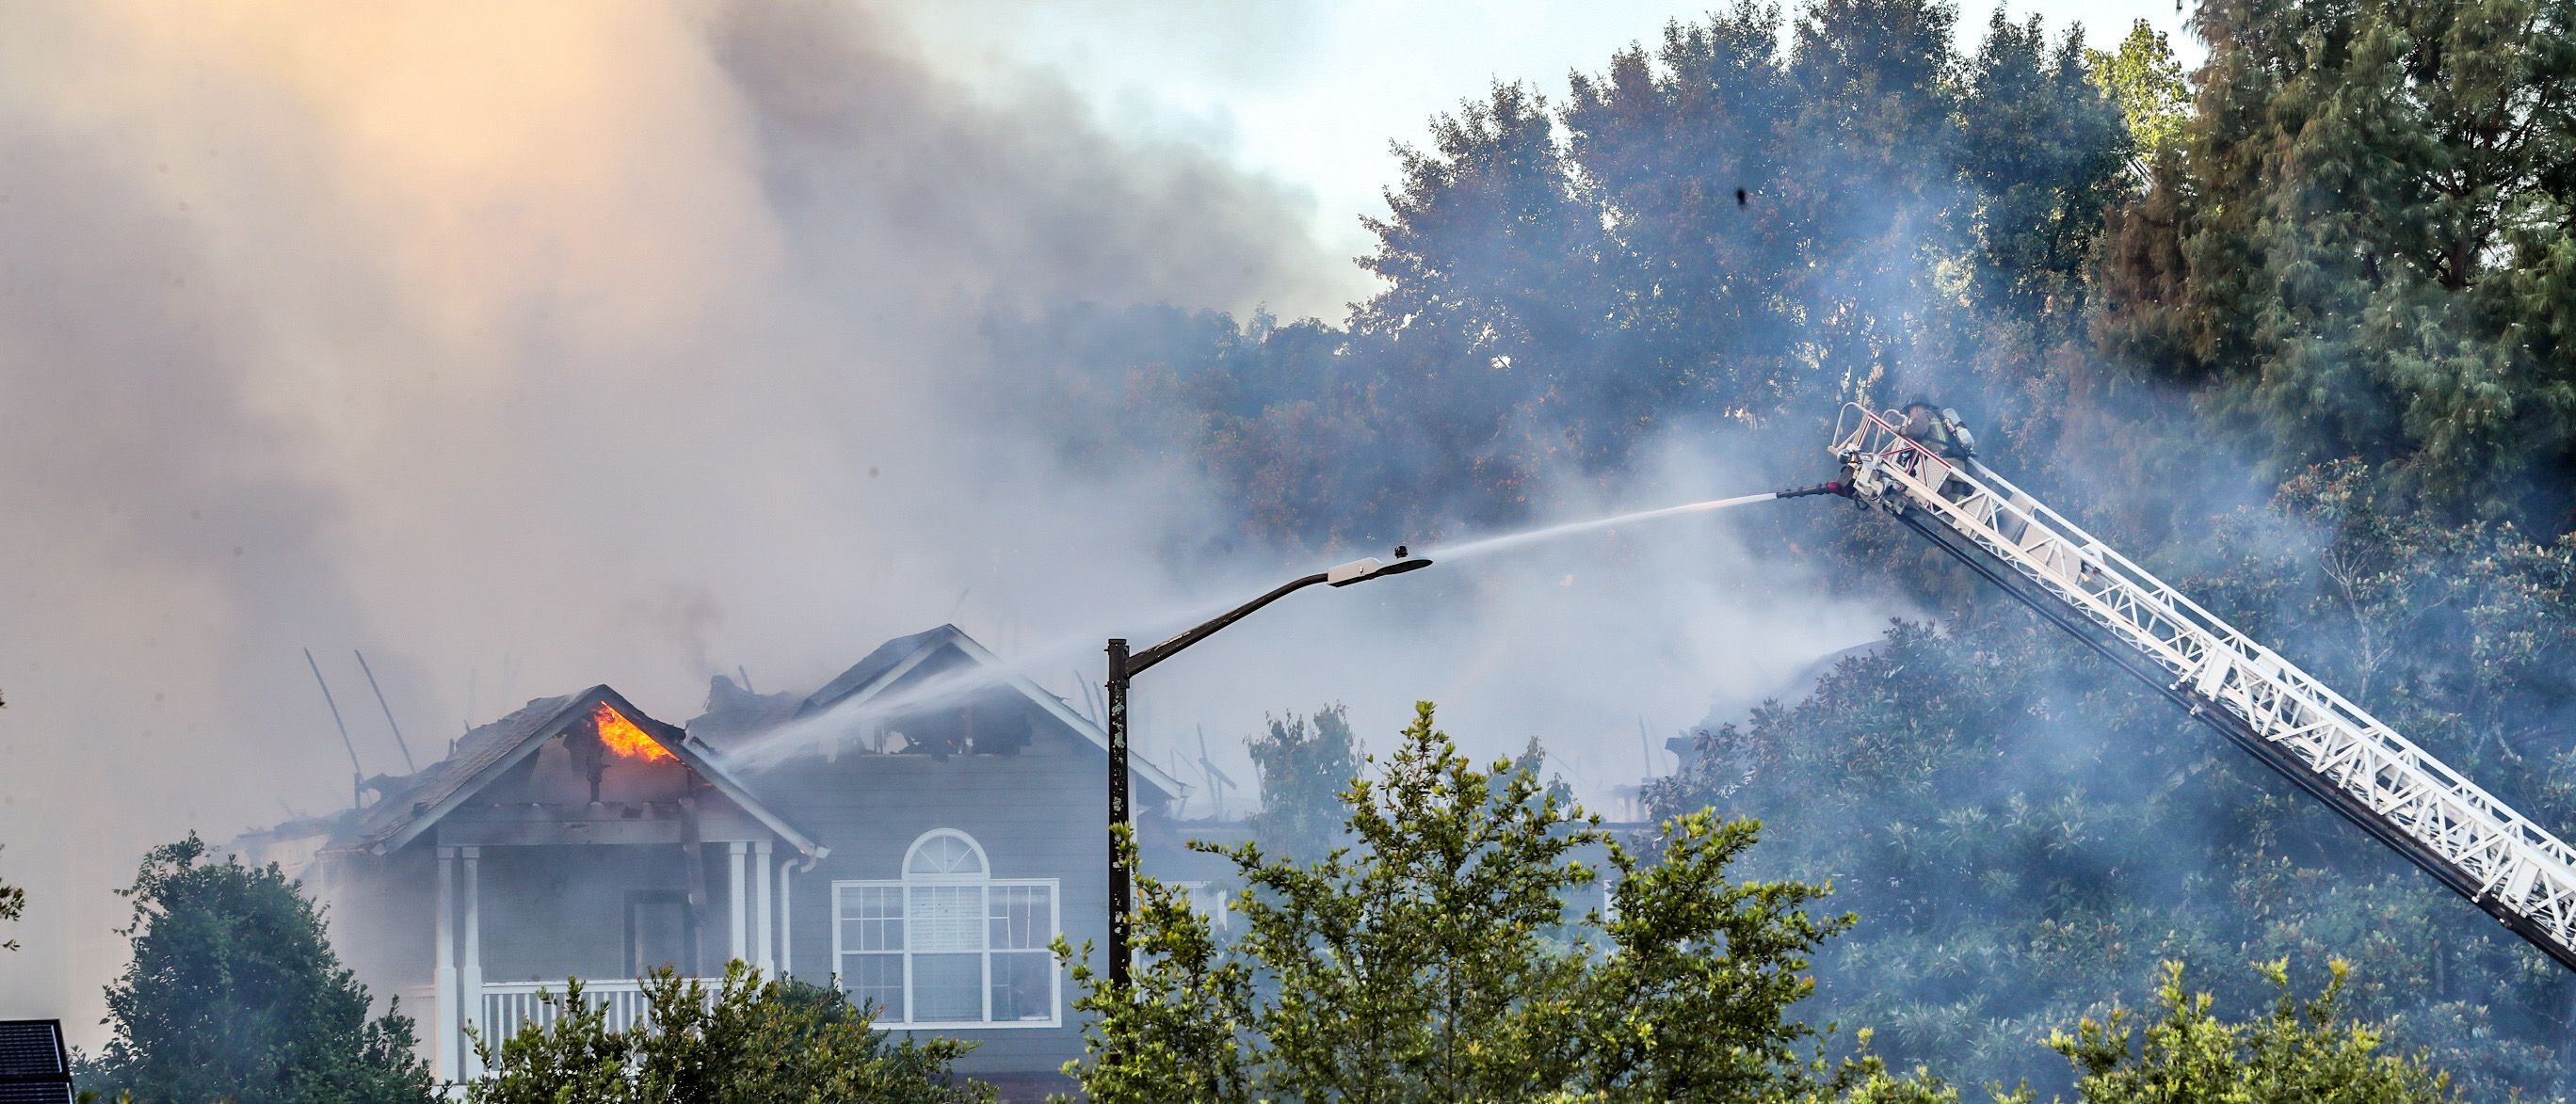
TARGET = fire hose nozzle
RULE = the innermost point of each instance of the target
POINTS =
(1832, 487)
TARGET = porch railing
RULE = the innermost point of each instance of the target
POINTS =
(509, 1004)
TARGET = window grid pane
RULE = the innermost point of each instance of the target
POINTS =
(876, 980)
(947, 988)
(1023, 986)
(947, 918)
(1022, 917)
(872, 918)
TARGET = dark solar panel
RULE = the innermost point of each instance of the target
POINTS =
(59, 1092)
(31, 1048)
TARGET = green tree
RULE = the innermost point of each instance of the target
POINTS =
(13, 904)
(2042, 145)
(1303, 763)
(234, 994)
(2303, 1052)
(1435, 959)
(2371, 238)
(748, 1041)
(2142, 77)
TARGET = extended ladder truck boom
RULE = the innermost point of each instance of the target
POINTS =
(2333, 749)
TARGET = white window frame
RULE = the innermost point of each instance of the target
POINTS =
(985, 883)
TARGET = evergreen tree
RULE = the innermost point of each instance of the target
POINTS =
(1434, 959)
(2042, 145)
(1302, 764)
(2369, 204)
(234, 994)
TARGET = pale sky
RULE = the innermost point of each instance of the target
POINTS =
(1311, 92)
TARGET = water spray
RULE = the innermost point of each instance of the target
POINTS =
(1533, 536)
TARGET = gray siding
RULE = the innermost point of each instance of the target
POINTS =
(1038, 814)
(554, 912)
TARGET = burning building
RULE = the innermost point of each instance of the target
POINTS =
(918, 832)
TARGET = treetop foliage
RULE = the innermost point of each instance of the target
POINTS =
(2145, 80)
(234, 994)
(1302, 763)
(2303, 1051)
(747, 1041)
(2367, 239)
(1446, 953)
(1739, 225)
(1436, 957)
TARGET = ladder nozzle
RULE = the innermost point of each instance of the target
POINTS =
(1834, 487)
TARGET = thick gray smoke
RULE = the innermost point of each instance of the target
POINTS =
(533, 346)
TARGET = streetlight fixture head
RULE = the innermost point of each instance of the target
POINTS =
(1362, 570)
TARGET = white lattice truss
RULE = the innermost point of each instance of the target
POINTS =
(2516, 867)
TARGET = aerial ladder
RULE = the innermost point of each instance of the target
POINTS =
(2324, 744)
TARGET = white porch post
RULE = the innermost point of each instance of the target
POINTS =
(767, 925)
(443, 973)
(470, 974)
(735, 904)
(787, 919)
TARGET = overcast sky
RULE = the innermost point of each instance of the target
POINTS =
(1311, 92)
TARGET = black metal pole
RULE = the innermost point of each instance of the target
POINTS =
(1123, 667)
(1119, 890)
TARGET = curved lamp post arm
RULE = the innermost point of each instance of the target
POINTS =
(1124, 665)
(1137, 662)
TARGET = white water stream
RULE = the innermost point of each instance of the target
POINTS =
(1533, 536)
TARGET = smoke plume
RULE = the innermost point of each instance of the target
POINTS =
(532, 346)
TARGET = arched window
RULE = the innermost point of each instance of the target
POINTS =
(944, 853)
(946, 943)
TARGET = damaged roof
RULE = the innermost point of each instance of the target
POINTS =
(894, 658)
(868, 673)
(412, 804)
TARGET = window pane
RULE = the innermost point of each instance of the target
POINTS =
(947, 987)
(947, 918)
(872, 918)
(1022, 918)
(875, 980)
(1023, 986)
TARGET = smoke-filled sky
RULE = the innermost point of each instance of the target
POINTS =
(528, 347)
(1310, 92)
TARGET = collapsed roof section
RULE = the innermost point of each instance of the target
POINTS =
(905, 663)
(411, 805)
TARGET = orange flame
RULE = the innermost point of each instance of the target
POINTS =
(623, 738)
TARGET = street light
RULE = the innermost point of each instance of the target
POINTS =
(1124, 666)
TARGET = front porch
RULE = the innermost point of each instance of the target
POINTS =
(544, 937)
